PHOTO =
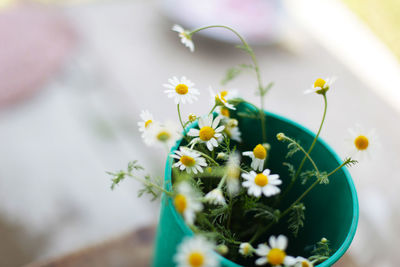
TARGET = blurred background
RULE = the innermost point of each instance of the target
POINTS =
(74, 76)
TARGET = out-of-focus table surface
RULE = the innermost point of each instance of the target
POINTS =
(132, 249)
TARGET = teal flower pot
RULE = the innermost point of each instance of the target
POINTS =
(331, 210)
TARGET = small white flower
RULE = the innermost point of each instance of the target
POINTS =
(189, 160)
(274, 254)
(192, 117)
(181, 90)
(321, 86)
(258, 156)
(196, 252)
(186, 202)
(164, 134)
(246, 249)
(147, 120)
(208, 132)
(233, 133)
(264, 183)
(302, 262)
(215, 197)
(145, 125)
(185, 36)
(222, 156)
(222, 98)
(233, 174)
(362, 144)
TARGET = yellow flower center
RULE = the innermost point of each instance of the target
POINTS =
(182, 89)
(361, 142)
(319, 83)
(192, 117)
(305, 264)
(180, 203)
(276, 256)
(220, 98)
(261, 180)
(163, 136)
(225, 112)
(196, 259)
(246, 250)
(206, 133)
(147, 123)
(185, 35)
(259, 152)
(187, 161)
(223, 95)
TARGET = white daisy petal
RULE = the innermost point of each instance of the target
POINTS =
(262, 250)
(281, 242)
(289, 260)
(261, 261)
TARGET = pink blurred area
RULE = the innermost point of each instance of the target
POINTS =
(259, 21)
(35, 40)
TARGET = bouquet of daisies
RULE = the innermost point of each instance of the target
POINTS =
(225, 191)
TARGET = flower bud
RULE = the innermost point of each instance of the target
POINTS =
(192, 117)
(280, 136)
(222, 155)
(222, 249)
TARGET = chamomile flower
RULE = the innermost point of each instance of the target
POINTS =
(233, 132)
(147, 120)
(233, 174)
(164, 134)
(321, 86)
(224, 111)
(145, 125)
(189, 160)
(302, 262)
(185, 36)
(222, 98)
(362, 144)
(274, 254)
(186, 202)
(192, 117)
(196, 252)
(215, 197)
(209, 132)
(181, 90)
(246, 249)
(261, 183)
(258, 156)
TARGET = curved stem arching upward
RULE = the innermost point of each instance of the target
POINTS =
(250, 51)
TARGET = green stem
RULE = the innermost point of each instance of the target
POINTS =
(338, 168)
(300, 198)
(208, 157)
(180, 119)
(309, 150)
(307, 155)
(228, 225)
(213, 108)
(256, 68)
(260, 232)
(221, 183)
(143, 181)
